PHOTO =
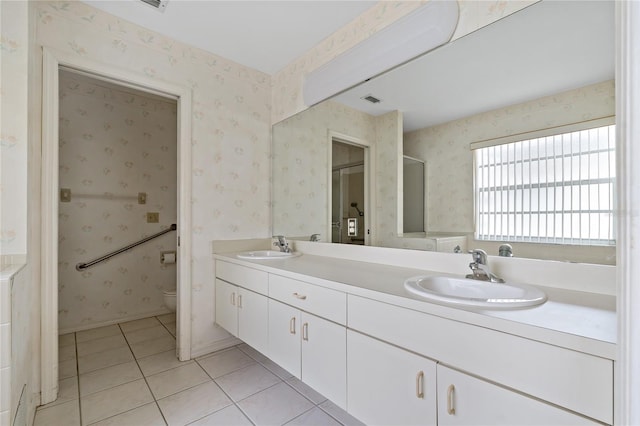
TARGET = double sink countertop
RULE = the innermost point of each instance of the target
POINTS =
(581, 321)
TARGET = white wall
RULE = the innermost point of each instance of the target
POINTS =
(114, 143)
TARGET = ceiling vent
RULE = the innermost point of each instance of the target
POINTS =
(372, 99)
(160, 5)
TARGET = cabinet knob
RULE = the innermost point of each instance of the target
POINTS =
(420, 385)
(299, 296)
(451, 409)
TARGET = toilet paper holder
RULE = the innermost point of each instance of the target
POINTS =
(167, 257)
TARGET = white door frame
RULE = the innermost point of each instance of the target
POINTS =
(369, 182)
(52, 61)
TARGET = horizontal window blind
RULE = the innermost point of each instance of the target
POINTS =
(552, 189)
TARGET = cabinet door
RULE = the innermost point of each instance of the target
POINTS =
(284, 336)
(466, 400)
(226, 310)
(253, 319)
(324, 358)
(388, 385)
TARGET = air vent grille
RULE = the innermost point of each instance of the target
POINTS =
(371, 99)
(157, 4)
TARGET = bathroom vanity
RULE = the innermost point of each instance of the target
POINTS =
(352, 332)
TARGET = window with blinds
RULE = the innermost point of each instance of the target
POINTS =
(556, 188)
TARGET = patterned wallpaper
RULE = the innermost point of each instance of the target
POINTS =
(14, 49)
(287, 83)
(230, 131)
(114, 143)
(449, 161)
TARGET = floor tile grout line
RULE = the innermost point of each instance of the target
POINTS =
(144, 378)
(75, 340)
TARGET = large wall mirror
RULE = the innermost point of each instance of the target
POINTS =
(550, 64)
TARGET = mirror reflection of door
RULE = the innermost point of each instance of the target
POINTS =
(347, 194)
(414, 187)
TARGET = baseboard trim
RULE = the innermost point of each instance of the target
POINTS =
(114, 321)
(215, 346)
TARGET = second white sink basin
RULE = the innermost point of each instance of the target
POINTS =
(474, 293)
(265, 254)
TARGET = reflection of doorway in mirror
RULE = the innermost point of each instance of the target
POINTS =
(413, 195)
(348, 193)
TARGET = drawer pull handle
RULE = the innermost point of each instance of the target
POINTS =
(233, 298)
(292, 325)
(239, 301)
(451, 409)
(305, 331)
(299, 296)
(420, 385)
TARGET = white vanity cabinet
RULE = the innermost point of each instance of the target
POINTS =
(240, 308)
(311, 348)
(467, 400)
(388, 385)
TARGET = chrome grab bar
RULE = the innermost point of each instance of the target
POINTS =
(82, 266)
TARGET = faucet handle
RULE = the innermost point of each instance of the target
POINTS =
(479, 256)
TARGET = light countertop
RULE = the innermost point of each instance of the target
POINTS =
(580, 321)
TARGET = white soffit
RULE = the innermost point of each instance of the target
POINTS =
(264, 35)
(549, 47)
(428, 27)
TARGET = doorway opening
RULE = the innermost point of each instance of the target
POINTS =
(91, 160)
(349, 203)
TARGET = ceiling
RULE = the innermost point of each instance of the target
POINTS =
(264, 35)
(549, 47)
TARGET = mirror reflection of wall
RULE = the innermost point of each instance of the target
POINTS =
(414, 196)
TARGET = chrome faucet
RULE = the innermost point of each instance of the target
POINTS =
(282, 244)
(315, 237)
(480, 269)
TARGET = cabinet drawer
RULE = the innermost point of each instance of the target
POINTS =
(577, 381)
(248, 278)
(324, 302)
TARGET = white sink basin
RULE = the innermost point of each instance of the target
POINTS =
(265, 254)
(474, 293)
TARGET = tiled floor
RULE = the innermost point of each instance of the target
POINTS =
(128, 375)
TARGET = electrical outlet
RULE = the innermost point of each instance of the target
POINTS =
(142, 198)
(65, 195)
(153, 217)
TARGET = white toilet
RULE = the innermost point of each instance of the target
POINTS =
(170, 299)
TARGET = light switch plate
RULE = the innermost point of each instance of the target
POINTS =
(153, 217)
(65, 195)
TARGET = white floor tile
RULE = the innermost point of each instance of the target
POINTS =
(252, 352)
(100, 345)
(109, 377)
(193, 404)
(339, 414)
(176, 380)
(314, 417)
(167, 318)
(247, 381)
(152, 347)
(104, 359)
(66, 352)
(67, 391)
(145, 334)
(276, 369)
(98, 333)
(109, 402)
(67, 414)
(225, 362)
(139, 324)
(306, 391)
(160, 362)
(147, 415)
(171, 327)
(275, 406)
(230, 416)
(67, 369)
(66, 339)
